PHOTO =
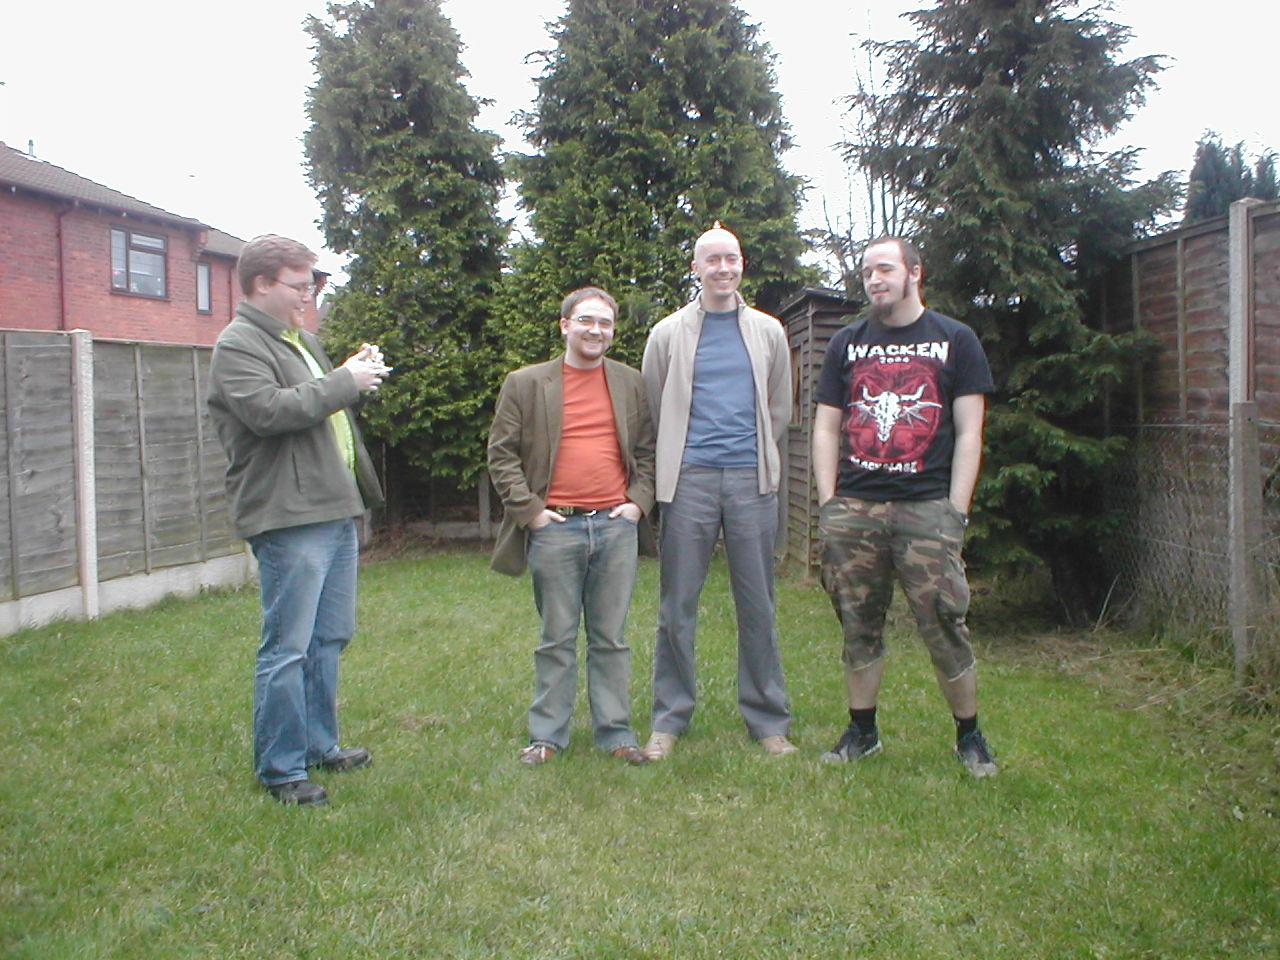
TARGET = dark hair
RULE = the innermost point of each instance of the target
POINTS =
(267, 255)
(586, 293)
(910, 253)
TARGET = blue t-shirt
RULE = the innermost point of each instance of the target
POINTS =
(722, 411)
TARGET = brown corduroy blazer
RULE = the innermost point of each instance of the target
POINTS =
(523, 442)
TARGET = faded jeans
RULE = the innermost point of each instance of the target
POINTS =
(308, 578)
(583, 572)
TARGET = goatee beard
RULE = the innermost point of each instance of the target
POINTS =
(879, 311)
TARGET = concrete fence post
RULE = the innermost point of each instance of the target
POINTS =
(85, 469)
(1245, 470)
(1245, 527)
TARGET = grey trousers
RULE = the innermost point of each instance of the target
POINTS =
(708, 500)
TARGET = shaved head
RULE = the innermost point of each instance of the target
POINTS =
(717, 263)
(717, 234)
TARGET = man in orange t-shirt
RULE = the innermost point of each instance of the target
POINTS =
(571, 456)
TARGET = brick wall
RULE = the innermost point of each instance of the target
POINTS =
(28, 263)
(30, 274)
(92, 305)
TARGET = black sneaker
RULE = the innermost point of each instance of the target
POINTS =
(973, 752)
(853, 745)
(349, 758)
(304, 793)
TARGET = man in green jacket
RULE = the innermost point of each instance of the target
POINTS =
(297, 477)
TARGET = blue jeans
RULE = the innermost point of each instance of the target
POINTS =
(583, 571)
(709, 500)
(308, 577)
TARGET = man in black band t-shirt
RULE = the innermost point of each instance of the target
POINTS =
(897, 446)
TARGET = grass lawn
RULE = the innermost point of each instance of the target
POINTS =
(131, 825)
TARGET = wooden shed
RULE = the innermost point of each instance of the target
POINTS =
(811, 317)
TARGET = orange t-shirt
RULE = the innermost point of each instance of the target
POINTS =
(589, 471)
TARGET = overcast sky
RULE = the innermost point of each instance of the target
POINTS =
(199, 108)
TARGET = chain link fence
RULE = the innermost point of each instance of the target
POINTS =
(1170, 559)
(1266, 650)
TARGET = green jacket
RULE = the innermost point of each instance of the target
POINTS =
(526, 434)
(284, 468)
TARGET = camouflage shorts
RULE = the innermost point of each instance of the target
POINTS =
(867, 545)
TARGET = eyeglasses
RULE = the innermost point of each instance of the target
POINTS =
(587, 320)
(305, 289)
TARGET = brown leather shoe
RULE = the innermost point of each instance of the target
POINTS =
(660, 745)
(536, 753)
(632, 754)
(778, 746)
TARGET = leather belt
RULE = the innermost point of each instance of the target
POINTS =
(576, 511)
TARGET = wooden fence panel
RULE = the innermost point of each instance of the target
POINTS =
(158, 483)
(219, 532)
(161, 489)
(39, 465)
(1206, 292)
(1202, 500)
(1266, 332)
(118, 454)
(172, 457)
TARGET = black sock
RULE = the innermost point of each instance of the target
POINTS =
(966, 725)
(864, 720)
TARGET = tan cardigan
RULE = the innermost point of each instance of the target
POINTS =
(668, 379)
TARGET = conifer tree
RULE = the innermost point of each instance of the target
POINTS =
(996, 107)
(409, 188)
(1220, 175)
(652, 120)
(1209, 191)
(1265, 184)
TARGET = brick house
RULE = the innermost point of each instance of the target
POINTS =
(75, 254)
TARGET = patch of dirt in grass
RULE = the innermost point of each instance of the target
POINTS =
(402, 543)
(1236, 735)
(416, 722)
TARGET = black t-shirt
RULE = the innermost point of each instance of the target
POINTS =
(895, 387)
